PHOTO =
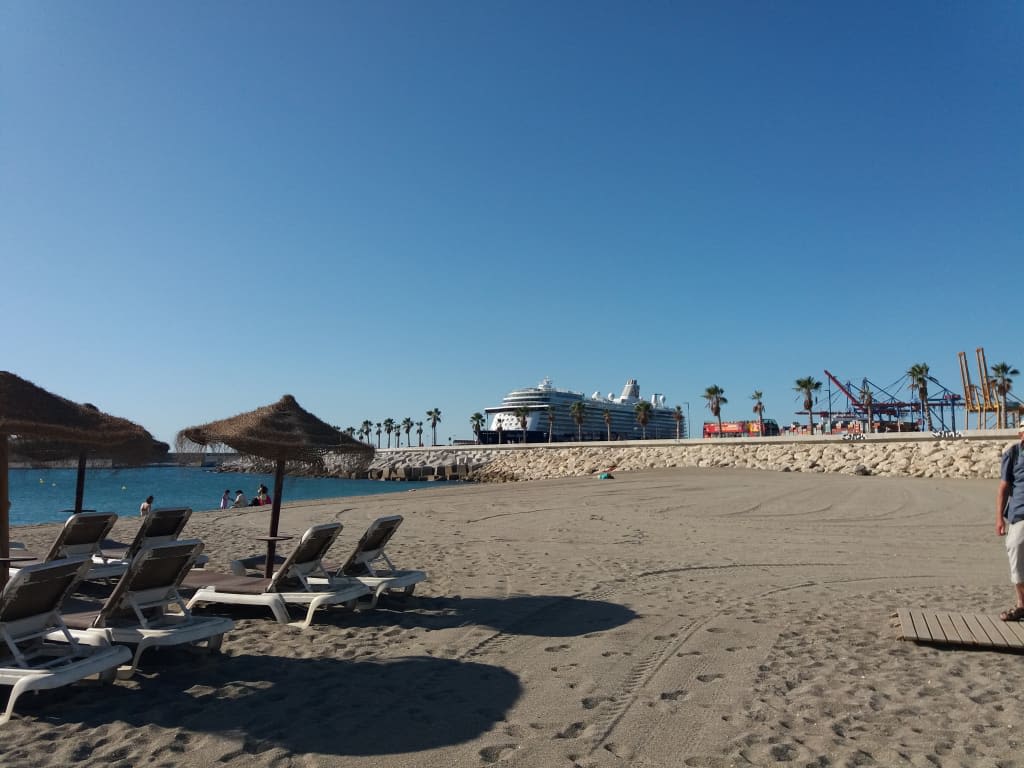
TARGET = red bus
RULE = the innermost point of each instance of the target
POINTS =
(741, 428)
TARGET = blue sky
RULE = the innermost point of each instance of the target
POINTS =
(383, 208)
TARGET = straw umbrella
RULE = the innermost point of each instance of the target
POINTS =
(283, 432)
(140, 449)
(40, 418)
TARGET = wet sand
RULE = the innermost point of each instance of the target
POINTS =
(681, 617)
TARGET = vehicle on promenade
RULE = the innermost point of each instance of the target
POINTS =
(741, 429)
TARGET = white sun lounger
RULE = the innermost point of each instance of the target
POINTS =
(370, 564)
(82, 534)
(145, 609)
(292, 584)
(39, 652)
(158, 526)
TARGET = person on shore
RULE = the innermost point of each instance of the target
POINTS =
(225, 500)
(240, 500)
(1010, 520)
(263, 496)
(146, 506)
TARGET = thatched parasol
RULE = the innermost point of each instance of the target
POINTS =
(283, 432)
(140, 449)
(35, 417)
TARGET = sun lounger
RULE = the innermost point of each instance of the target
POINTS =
(39, 652)
(370, 564)
(145, 608)
(158, 526)
(82, 535)
(292, 584)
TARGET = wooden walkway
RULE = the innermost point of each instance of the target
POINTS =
(969, 629)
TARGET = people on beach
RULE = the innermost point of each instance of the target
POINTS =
(146, 506)
(263, 495)
(225, 500)
(1010, 520)
(240, 499)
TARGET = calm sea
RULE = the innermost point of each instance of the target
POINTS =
(42, 495)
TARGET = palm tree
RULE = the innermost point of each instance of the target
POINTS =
(759, 410)
(389, 427)
(378, 434)
(419, 433)
(407, 426)
(551, 422)
(643, 416)
(608, 423)
(1002, 372)
(808, 387)
(867, 399)
(434, 414)
(523, 415)
(715, 396)
(476, 421)
(677, 414)
(918, 374)
(350, 431)
(578, 411)
(365, 429)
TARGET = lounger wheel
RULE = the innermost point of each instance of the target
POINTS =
(214, 643)
(407, 592)
(108, 676)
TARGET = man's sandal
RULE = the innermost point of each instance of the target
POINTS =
(1013, 614)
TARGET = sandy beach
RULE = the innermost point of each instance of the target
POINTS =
(678, 617)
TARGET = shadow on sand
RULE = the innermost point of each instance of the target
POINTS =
(325, 706)
(537, 615)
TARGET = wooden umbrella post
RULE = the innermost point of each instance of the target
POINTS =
(80, 483)
(275, 517)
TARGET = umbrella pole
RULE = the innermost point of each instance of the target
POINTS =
(275, 517)
(80, 483)
(5, 510)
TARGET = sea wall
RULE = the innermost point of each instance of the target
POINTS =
(969, 455)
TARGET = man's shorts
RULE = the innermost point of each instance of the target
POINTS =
(1015, 550)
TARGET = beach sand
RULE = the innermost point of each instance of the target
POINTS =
(679, 617)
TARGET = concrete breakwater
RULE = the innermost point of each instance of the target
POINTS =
(968, 455)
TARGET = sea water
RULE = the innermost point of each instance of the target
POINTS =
(45, 495)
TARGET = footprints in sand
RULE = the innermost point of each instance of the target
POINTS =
(495, 753)
(557, 648)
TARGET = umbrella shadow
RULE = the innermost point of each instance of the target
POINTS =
(537, 615)
(316, 705)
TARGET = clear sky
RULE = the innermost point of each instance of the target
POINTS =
(383, 208)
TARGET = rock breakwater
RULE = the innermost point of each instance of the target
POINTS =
(918, 455)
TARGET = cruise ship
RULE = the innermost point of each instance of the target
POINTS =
(504, 425)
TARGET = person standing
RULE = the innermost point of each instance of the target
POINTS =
(1010, 520)
(240, 500)
(146, 506)
(225, 500)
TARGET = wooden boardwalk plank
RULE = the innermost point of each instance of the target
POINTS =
(906, 624)
(1017, 629)
(978, 629)
(932, 622)
(969, 629)
(949, 630)
(963, 630)
(999, 628)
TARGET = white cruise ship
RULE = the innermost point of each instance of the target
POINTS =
(504, 424)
